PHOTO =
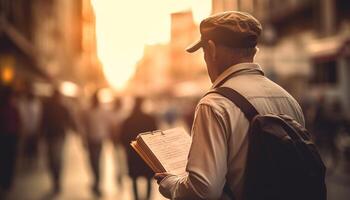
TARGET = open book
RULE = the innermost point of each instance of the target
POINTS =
(164, 151)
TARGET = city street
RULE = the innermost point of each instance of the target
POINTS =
(35, 184)
(79, 80)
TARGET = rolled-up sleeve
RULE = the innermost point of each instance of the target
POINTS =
(207, 160)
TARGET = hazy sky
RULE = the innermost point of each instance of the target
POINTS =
(124, 27)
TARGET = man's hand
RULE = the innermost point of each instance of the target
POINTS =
(160, 176)
(162, 188)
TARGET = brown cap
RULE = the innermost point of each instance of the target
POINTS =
(232, 28)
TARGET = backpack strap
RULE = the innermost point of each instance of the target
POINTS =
(245, 106)
(240, 101)
(229, 192)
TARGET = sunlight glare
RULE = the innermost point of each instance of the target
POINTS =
(124, 28)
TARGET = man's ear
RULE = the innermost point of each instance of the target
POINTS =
(212, 50)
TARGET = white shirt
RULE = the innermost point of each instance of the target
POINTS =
(219, 135)
(30, 113)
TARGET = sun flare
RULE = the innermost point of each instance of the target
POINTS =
(124, 28)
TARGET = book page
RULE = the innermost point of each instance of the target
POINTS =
(171, 147)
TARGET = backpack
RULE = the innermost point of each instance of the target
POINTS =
(283, 162)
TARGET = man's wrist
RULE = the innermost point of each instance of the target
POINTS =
(166, 186)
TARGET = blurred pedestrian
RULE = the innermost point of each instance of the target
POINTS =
(171, 114)
(9, 131)
(118, 115)
(98, 124)
(189, 113)
(30, 108)
(321, 122)
(136, 123)
(56, 121)
(337, 123)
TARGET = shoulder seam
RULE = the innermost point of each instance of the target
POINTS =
(213, 109)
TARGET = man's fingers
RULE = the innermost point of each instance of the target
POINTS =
(160, 176)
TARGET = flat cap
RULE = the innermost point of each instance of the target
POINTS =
(232, 28)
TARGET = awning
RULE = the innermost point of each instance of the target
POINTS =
(328, 48)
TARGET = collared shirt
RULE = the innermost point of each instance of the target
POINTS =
(219, 135)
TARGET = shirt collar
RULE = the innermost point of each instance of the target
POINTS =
(238, 69)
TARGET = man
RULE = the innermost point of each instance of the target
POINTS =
(98, 125)
(219, 147)
(56, 121)
(9, 131)
(138, 122)
(30, 109)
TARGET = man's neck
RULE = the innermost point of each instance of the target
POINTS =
(231, 63)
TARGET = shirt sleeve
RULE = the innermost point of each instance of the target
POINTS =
(207, 160)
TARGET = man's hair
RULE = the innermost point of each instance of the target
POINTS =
(242, 52)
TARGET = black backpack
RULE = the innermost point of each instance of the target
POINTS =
(283, 162)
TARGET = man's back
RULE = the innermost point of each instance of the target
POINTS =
(266, 96)
(219, 146)
(56, 118)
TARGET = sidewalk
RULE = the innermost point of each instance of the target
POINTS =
(36, 185)
(338, 179)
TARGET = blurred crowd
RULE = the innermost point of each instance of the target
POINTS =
(329, 124)
(31, 125)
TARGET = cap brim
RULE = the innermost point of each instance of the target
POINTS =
(194, 47)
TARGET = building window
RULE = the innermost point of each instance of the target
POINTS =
(325, 72)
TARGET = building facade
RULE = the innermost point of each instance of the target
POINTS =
(303, 42)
